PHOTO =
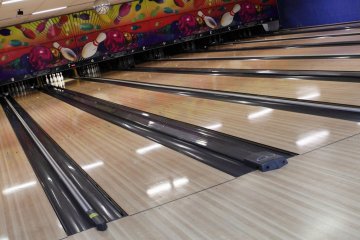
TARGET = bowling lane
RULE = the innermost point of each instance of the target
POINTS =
(316, 40)
(316, 196)
(25, 212)
(294, 132)
(309, 34)
(274, 64)
(348, 25)
(311, 51)
(323, 91)
(137, 173)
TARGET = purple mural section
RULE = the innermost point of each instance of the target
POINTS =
(35, 48)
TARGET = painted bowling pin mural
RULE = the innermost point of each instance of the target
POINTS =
(28, 49)
(66, 52)
(228, 17)
(91, 48)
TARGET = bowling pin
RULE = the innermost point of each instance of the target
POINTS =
(63, 80)
(47, 80)
(66, 52)
(228, 17)
(41, 26)
(123, 11)
(91, 48)
(26, 31)
(209, 21)
(60, 81)
(51, 80)
(55, 29)
(56, 80)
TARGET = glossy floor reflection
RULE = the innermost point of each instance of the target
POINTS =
(258, 124)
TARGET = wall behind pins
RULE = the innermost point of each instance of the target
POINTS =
(301, 13)
(29, 49)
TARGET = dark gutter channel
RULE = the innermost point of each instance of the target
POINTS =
(336, 28)
(307, 45)
(332, 76)
(97, 197)
(289, 39)
(69, 213)
(291, 105)
(274, 57)
(204, 155)
(342, 24)
(231, 146)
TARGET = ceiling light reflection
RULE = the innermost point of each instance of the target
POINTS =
(148, 148)
(201, 142)
(310, 96)
(17, 188)
(49, 10)
(214, 126)
(92, 165)
(10, 2)
(180, 182)
(260, 113)
(159, 188)
(313, 138)
(167, 186)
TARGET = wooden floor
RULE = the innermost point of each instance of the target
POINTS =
(171, 196)
(309, 34)
(135, 178)
(25, 211)
(309, 51)
(316, 196)
(315, 40)
(296, 64)
(314, 90)
(269, 129)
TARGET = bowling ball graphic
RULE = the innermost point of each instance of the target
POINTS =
(115, 41)
(199, 20)
(40, 57)
(248, 12)
(128, 37)
(187, 24)
(56, 54)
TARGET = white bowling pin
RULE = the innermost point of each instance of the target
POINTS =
(228, 17)
(66, 52)
(209, 21)
(52, 80)
(56, 80)
(47, 80)
(91, 48)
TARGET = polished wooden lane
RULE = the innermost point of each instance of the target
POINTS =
(137, 173)
(309, 51)
(25, 211)
(318, 28)
(275, 64)
(316, 196)
(315, 90)
(294, 132)
(309, 34)
(316, 40)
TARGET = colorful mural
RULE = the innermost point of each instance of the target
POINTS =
(28, 49)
